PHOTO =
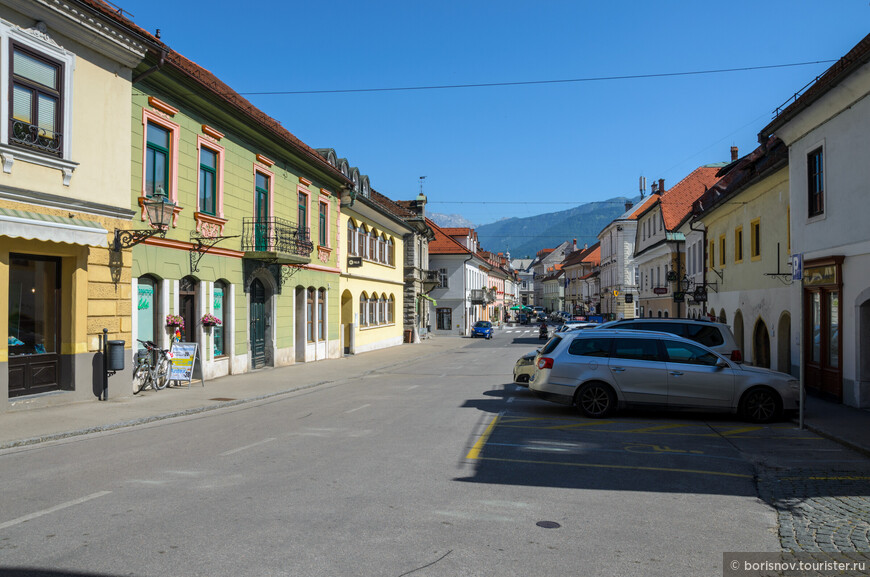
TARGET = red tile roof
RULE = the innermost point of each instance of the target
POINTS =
(444, 243)
(640, 208)
(676, 202)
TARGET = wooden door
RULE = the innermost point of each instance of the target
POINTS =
(258, 324)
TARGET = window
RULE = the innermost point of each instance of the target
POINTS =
(156, 160)
(597, 347)
(321, 315)
(689, 354)
(816, 183)
(207, 181)
(755, 239)
(372, 245)
(360, 242)
(309, 315)
(444, 319)
(636, 349)
(363, 303)
(382, 311)
(323, 229)
(302, 211)
(219, 307)
(442, 278)
(722, 250)
(351, 238)
(711, 261)
(147, 310)
(370, 308)
(37, 101)
(738, 244)
(390, 253)
(391, 308)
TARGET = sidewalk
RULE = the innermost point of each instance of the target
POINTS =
(846, 425)
(27, 427)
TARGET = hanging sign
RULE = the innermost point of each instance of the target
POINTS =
(354, 261)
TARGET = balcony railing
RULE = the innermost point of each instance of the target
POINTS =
(32, 136)
(277, 240)
(478, 297)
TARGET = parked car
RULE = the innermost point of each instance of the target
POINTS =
(525, 365)
(482, 329)
(717, 336)
(601, 370)
(523, 319)
(575, 326)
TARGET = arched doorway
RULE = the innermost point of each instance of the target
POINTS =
(347, 319)
(258, 324)
(722, 317)
(783, 344)
(187, 289)
(761, 345)
(738, 332)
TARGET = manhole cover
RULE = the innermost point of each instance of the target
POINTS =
(222, 399)
(548, 524)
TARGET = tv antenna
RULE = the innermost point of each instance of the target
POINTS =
(642, 186)
(422, 178)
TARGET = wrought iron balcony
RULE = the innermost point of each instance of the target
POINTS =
(32, 136)
(276, 240)
(478, 297)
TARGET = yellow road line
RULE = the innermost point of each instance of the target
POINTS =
(741, 430)
(660, 428)
(474, 453)
(577, 425)
(826, 478)
(599, 466)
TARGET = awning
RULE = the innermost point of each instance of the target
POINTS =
(37, 226)
(430, 299)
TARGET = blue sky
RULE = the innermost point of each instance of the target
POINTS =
(495, 152)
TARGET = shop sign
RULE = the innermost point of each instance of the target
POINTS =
(700, 294)
(629, 298)
(660, 290)
(820, 275)
(354, 261)
(679, 297)
(797, 266)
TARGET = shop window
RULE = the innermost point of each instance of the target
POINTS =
(219, 310)
(147, 310)
(444, 319)
(321, 315)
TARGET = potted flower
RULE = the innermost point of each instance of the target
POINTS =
(175, 321)
(210, 320)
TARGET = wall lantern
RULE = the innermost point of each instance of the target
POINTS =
(160, 210)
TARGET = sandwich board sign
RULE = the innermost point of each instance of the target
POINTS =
(184, 363)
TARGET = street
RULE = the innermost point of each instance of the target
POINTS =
(436, 467)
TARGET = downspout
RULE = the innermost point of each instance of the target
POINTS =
(466, 298)
(153, 69)
(704, 257)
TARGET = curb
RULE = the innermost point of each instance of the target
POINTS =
(153, 418)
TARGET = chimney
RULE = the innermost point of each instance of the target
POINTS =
(733, 153)
(575, 244)
(661, 186)
(628, 205)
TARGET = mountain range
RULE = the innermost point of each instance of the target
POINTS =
(450, 220)
(524, 237)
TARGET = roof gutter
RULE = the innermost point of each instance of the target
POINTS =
(153, 69)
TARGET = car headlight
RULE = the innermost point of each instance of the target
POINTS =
(794, 384)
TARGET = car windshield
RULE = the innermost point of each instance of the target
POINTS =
(482, 324)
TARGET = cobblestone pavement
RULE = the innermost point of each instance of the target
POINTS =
(819, 511)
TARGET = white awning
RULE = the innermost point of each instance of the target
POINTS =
(37, 226)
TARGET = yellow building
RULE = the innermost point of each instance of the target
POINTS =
(64, 190)
(372, 278)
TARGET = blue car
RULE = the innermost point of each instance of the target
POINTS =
(482, 329)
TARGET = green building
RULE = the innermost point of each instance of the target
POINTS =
(254, 234)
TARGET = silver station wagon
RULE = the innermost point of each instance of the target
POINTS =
(601, 370)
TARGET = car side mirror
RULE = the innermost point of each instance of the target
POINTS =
(721, 364)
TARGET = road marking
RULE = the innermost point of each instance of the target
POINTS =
(230, 452)
(658, 428)
(358, 408)
(510, 399)
(576, 425)
(474, 453)
(412, 387)
(623, 467)
(741, 430)
(32, 516)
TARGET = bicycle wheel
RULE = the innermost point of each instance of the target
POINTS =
(161, 373)
(141, 377)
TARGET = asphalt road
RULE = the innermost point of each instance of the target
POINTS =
(441, 467)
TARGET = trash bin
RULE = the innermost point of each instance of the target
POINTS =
(115, 356)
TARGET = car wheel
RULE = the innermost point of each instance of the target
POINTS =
(761, 405)
(596, 400)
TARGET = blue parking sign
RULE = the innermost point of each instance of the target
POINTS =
(797, 266)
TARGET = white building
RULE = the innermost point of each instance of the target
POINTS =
(619, 276)
(827, 131)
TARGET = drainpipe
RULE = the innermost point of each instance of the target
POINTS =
(704, 256)
(153, 69)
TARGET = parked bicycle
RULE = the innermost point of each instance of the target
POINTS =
(152, 367)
